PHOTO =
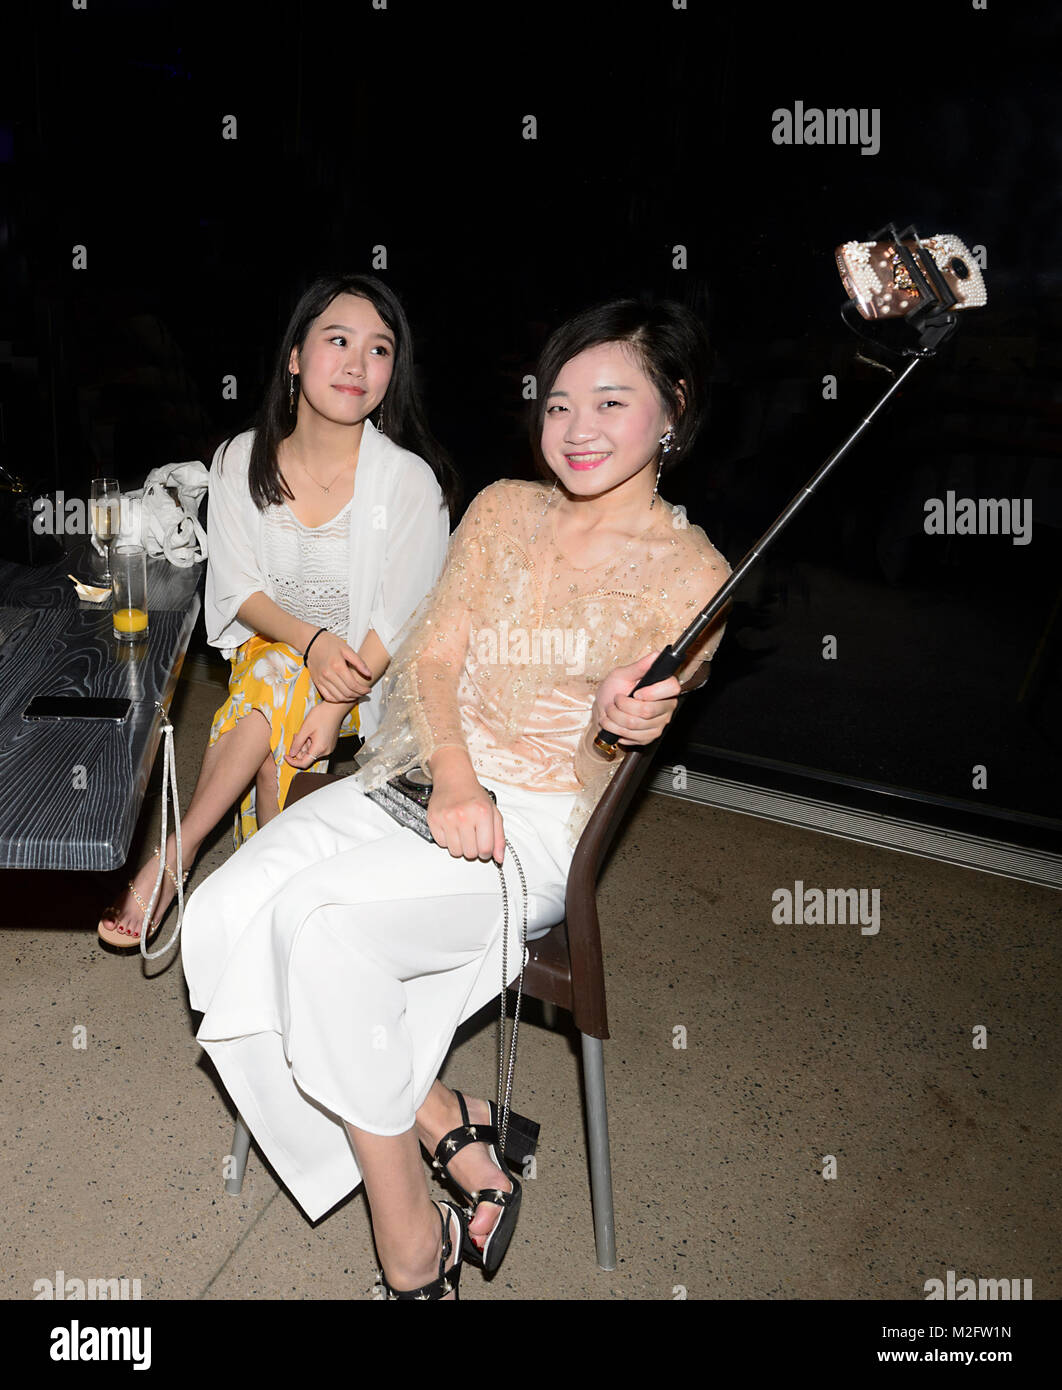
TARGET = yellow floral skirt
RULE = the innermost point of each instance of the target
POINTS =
(270, 676)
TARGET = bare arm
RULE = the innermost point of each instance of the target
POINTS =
(261, 613)
(337, 670)
(376, 658)
(375, 655)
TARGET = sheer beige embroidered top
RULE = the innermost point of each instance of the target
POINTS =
(505, 656)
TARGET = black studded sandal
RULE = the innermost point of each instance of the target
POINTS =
(448, 1279)
(521, 1138)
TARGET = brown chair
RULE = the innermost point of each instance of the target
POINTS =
(565, 968)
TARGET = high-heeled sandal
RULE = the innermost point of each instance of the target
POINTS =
(123, 930)
(520, 1142)
(448, 1279)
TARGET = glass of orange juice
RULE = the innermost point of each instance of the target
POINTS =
(129, 567)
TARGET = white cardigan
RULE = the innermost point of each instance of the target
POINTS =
(399, 530)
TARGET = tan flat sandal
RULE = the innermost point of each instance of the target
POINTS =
(120, 939)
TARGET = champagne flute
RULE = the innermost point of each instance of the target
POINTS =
(106, 516)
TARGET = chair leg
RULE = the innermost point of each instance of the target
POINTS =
(549, 1014)
(241, 1140)
(600, 1161)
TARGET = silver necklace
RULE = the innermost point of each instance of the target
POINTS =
(325, 490)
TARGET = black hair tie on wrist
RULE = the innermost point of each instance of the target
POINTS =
(313, 639)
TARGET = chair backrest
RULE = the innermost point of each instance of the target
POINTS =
(583, 927)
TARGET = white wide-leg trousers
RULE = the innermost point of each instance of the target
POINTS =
(335, 955)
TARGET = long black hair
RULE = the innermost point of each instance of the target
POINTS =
(669, 341)
(405, 422)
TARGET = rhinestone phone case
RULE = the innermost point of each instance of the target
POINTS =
(878, 281)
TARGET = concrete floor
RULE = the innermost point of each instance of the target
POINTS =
(801, 1042)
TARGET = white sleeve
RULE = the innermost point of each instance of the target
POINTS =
(418, 532)
(233, 571)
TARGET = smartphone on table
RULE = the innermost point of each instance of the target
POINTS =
(59, 708)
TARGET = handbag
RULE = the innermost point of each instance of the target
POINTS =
(405, 799)
(164, 524)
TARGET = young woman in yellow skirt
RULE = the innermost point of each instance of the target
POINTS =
(327, 525)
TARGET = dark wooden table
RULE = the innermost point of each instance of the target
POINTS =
(72, 791)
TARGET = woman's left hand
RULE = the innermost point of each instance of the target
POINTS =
(318, 735)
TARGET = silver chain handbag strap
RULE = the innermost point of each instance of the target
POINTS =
(169, 785)
(505, 1080)
(406, 801)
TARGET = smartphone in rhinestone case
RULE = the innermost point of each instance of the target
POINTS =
(876, 278)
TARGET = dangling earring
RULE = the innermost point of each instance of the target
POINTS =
(379, 421)
(659, 467)
(291, 392)
(665, 448)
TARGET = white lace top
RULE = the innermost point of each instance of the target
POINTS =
(307, 568)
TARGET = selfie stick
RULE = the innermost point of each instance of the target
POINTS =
(934, 325)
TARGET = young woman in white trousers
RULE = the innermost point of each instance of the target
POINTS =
(382, 945)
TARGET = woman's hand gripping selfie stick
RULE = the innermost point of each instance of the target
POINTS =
(934, 325)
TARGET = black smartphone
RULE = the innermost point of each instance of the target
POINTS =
(61, 707)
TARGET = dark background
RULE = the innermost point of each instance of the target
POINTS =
(403, 127)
